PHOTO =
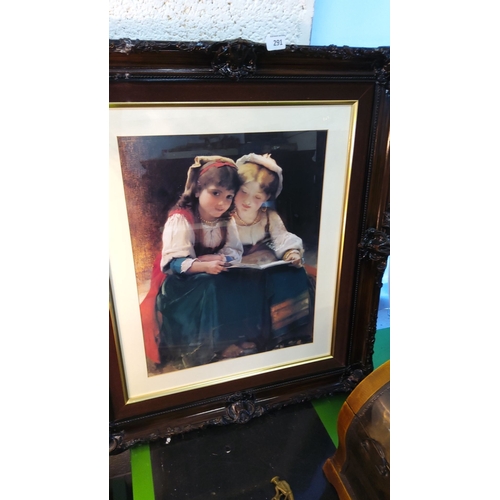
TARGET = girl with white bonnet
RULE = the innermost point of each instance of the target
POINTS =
(265, 237)
(259, 227)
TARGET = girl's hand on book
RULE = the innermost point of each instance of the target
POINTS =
(214, 267)
(293, 256)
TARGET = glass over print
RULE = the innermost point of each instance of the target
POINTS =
(153, 170)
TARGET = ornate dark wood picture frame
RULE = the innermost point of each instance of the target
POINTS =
(339, 97)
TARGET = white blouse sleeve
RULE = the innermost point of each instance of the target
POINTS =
(178, 240)
(233, 247)
(281, 238)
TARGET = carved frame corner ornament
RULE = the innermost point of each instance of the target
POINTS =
(235, 59)
(383, 70)
(240, 409)
(386, 220)
(115, 442)
(375, 245)
(353, 379)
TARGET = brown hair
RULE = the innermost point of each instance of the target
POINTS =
(225, 177)
(267, 180)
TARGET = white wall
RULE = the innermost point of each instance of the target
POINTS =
(358, 23)
(211, 20)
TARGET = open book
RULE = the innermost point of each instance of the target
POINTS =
(265, 265)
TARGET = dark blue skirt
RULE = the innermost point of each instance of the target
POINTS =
(204, 313)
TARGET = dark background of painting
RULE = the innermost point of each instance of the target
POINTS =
(154, 172)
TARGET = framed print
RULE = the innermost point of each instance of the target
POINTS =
(249, 229)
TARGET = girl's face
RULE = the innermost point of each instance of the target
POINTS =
(249, 198)
(214, 201)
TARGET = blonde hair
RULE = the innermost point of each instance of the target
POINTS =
(267, 180)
